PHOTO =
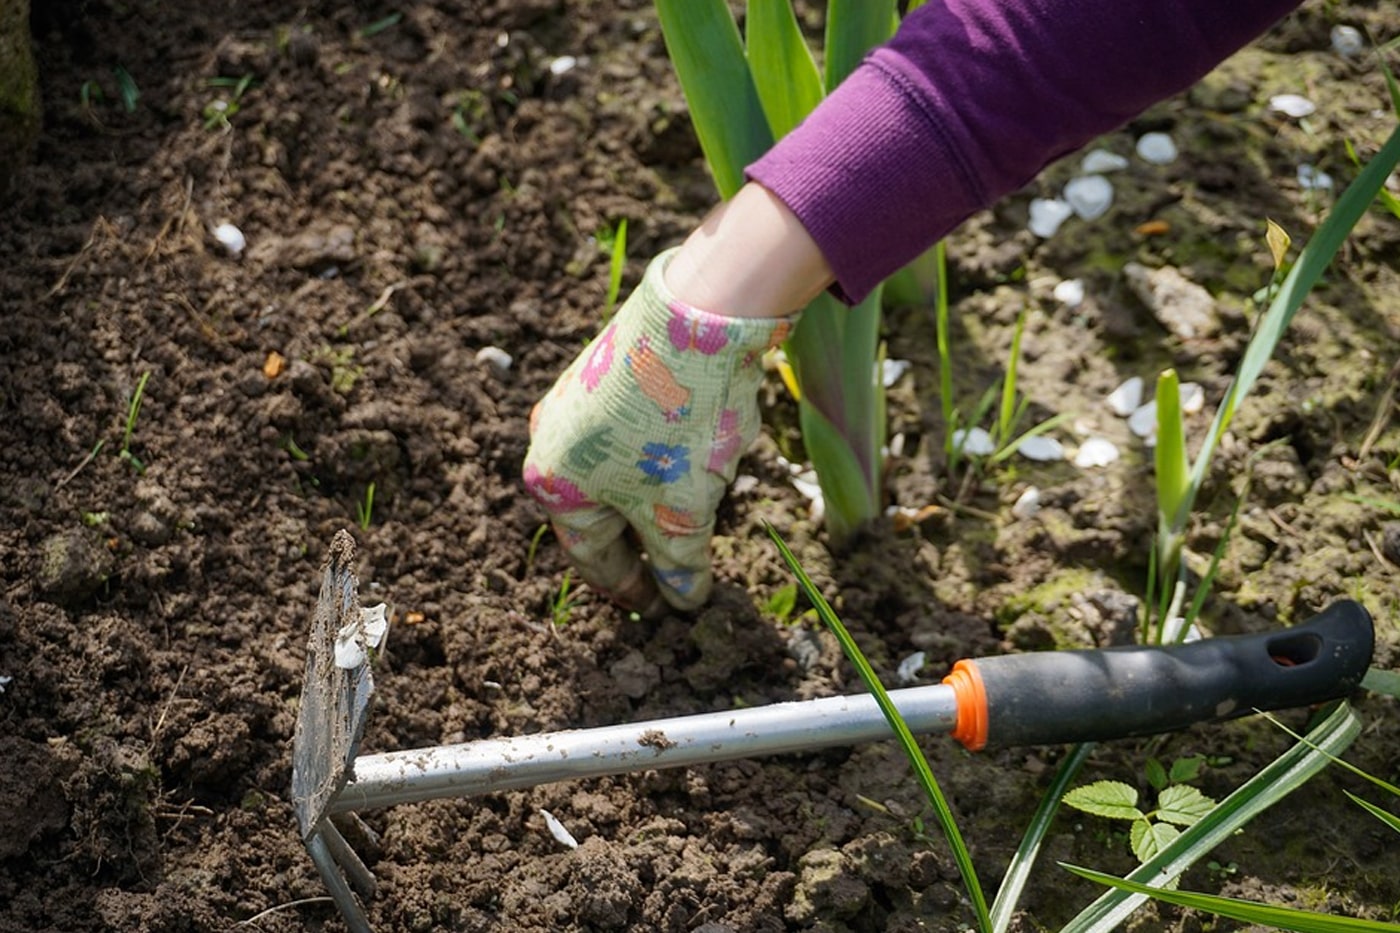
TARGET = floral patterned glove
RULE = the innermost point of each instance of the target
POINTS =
(644, 432)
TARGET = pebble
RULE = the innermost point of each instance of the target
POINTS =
(1047, 214)
(1143, 421)
(1157, 148)
(495, 357)
(892, 370)
(231, 238)
(1027, 503)
(1090, 196)
(1310, 178)
(562, 65)
(1184, 308)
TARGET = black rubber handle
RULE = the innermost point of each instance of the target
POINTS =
(1046, 698)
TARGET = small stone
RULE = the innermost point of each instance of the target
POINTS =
(1193, 397)
(1143, 421)
(1047, 214)
(231, 238)
(1311, 178)
(562, 65)
(495, 357)
(1184, 308)
(1027, 503)
(892, 370)
(1090, 196)
(1157, 148)
(73, 566)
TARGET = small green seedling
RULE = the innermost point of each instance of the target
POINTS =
(379, 25)
(615, 242)
(133, 411)
(364, 509)
(219, 111)
(782, 603)
(564, 601)
(534, 547)
(126, 89)
(1179, 805)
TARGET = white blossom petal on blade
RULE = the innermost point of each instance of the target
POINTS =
(350, 646)
(376, 624)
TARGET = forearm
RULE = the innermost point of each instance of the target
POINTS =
(970, 100)
(750, 258)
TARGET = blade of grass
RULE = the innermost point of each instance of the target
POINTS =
(1280, 918)
(1275, 781)
(854, 27)
(922, 772)
(703, 42)
(1018, 870)
(1385, 816)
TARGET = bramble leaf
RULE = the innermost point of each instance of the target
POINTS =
(1183, 805)
(1113, 799)
(1149, 839)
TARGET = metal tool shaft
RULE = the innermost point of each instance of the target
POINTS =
(507, 763)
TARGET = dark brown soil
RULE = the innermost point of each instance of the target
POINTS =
(416, 184)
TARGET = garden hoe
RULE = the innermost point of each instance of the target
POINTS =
(1037, 698)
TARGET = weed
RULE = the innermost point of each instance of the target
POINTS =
(534, 547)
(1179, 805)
(364, 509)
(563, 604)
(133, 411)
(379, 25)
(782, 604)
(218, 112)
(127, 90)
(615, 243)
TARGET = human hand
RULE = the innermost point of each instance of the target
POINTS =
(641, 435)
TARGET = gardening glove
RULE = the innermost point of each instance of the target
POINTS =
(643, 432)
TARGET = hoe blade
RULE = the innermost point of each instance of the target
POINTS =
(334, 700)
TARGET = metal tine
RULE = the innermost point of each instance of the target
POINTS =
(344, 898)
(346, 857)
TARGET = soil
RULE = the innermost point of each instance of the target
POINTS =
(416, 184)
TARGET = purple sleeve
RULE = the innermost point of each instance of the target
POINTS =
(969, 100)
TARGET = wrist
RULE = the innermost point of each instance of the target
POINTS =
(751, 257)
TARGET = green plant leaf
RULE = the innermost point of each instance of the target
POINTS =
(1149, 839)
(922, 772)
(854, 27)
(1275, 781)
(1186, 770)
(784, 72)
(1385, 816)
(1113, 799)
(703, 42)
(1183, 805)
(1156, 774)
(1382, 681)
(1267, 915)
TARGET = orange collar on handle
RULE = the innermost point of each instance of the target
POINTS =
(971, 696)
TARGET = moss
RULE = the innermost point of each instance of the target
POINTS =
(1044, 598)
(19, 89)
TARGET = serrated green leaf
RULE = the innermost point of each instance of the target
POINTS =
(1183, 805)
(1113, 799)
(1149, 839)
(1186, 770)
(1156, 774)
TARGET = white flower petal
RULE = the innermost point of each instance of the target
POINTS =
(1047, 214)
(908, 670)
(494, 356)
(1292, 105)
(557, 830)
(1027, 503)
(1125, 399)
(892, 370)
(1090, 196)
(1143, 420)
(1101, 160)
(975, 442)
(1096, 452)
(376, 624)
(1042, 448)
(1070, 293)
(350, 646)
(1157, 148)
(231, 238)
